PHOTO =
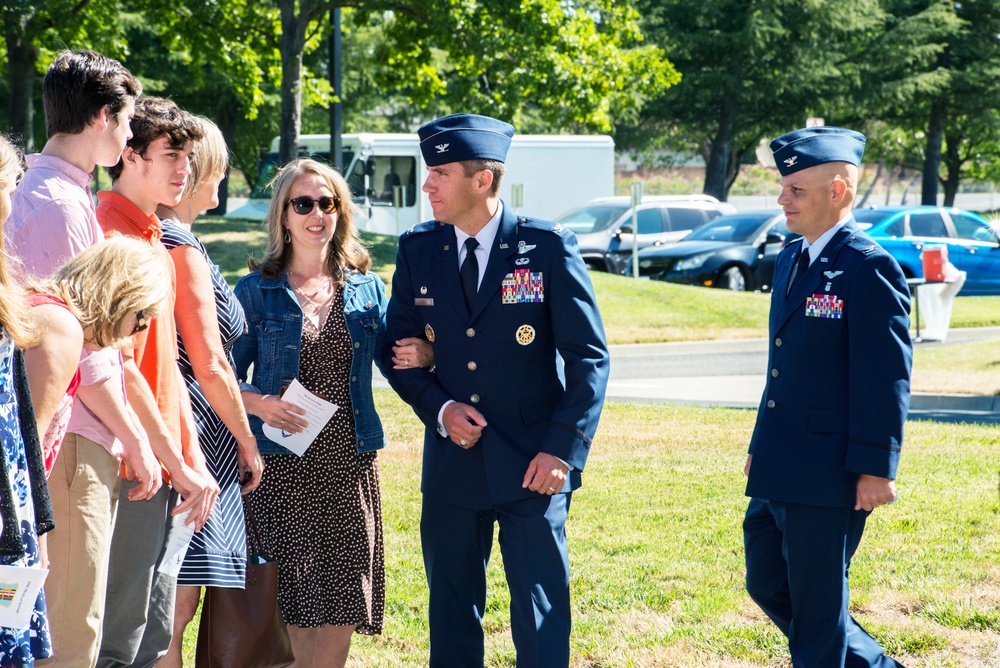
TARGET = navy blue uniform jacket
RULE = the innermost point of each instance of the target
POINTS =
(502, 358)
(838, 384)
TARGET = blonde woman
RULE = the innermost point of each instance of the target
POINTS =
(22, 482)
(97, 299)
(316, 314)
(209, 319)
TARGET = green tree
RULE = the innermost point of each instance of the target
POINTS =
(751, 69)
(933, 73)
(33, 31)
(571, 64)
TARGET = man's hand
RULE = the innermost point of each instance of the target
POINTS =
(746, 467)
(874, 492)
(545, 474)
(464, 424)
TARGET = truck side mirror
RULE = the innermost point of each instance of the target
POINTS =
(624, 229)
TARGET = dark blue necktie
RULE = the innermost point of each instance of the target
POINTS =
(800, 268)
(470, 273)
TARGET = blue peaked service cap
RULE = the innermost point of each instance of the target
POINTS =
(464, 137)
(808, 147)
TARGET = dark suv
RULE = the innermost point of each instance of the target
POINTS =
(604, 226)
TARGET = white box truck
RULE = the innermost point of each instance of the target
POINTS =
(546, 175)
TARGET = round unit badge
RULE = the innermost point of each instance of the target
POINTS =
(429, 333)
(525, 334)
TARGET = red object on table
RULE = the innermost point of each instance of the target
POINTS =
(935, 260)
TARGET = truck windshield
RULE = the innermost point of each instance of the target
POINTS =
(592, 218)
(269, 167)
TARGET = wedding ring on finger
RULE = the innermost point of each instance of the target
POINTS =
(406, 362)
(463, 442)
(552, 489)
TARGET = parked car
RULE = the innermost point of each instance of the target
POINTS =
(973, 245)
(735, 252)
(604, 226)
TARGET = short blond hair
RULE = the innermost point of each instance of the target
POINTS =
(211, 155)
(107, 283)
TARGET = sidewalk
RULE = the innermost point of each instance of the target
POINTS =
(744, 390)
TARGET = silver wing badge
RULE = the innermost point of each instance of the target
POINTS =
(830, 275)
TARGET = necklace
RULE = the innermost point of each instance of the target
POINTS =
(299, 286)
(176, 216)
(314, 308)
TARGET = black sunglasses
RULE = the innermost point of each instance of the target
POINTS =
(304, 205)
(140, 322)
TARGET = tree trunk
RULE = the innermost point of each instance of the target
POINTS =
(953, 163)
(293, 28)
(871, 186)
(21, 59)
(227, 126)
(932, 156)
(733, 170)
(717, 167)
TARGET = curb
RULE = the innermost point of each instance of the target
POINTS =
(954, 402)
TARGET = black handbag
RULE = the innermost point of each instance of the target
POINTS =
(243, 627)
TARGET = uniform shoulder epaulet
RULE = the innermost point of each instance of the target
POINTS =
(419, 228)
(796, 240)
(539, 224)
(863, 244)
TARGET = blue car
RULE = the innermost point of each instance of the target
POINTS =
(972, 242)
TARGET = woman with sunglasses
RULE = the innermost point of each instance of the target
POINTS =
(316, 314)
(209, 320)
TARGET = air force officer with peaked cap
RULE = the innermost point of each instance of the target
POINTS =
(501, 297)
(829, 429)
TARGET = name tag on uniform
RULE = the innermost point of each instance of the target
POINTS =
(522, 287)
(824, 306)
(423, 301)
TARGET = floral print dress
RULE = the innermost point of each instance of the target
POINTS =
(20, 647)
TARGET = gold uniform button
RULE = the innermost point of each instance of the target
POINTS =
(474, 398)
(470, 332)
(472, 366)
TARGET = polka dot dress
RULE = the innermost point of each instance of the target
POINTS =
(320, 515)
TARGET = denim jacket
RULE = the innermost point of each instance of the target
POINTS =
(273, 340)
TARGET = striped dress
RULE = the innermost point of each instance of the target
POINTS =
(216, 556)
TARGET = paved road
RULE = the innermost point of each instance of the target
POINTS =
(731, 373)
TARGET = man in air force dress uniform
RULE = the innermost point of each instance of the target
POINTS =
(830, 424)
(513, 403)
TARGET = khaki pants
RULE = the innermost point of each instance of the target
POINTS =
(84, 487)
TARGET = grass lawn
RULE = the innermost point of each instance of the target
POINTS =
(649, 311)
(657, 557)
(633, 311)
(656, 545)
